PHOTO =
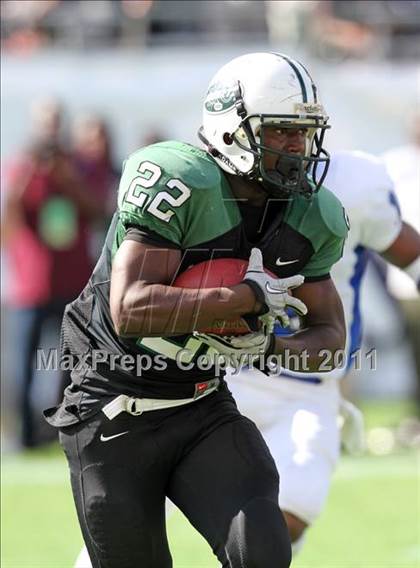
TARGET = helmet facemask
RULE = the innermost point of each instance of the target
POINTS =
(292, 173)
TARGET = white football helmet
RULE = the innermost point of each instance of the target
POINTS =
(258, 90)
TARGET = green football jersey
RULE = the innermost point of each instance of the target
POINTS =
(175, 195)
(179, 192)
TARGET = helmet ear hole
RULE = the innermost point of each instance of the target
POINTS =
(227, 139)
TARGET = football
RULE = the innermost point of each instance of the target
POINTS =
(217, 273)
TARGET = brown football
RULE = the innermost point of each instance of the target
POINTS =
(218, 273)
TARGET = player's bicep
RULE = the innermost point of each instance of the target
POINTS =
(138, 264)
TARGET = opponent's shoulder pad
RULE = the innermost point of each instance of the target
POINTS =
(332, 212)
(360, 168)
(361, 182)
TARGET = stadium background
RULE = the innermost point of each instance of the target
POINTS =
(144, 66)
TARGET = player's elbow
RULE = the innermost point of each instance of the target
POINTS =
(124, 323)
(119, 318)
(341, 337)
(337, 344)
(337, 331)
(120, 325)
(337, 337)
(332, 339)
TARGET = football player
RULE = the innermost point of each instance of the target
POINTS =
(297, 413)
(167, 426)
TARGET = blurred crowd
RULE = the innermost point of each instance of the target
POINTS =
(58, 195)
(329, 28)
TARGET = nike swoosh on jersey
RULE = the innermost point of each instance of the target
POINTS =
(280, 262)
(107, 438)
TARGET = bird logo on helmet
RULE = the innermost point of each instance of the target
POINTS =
(256, 91)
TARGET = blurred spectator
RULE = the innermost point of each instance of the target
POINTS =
(364, 29)
(232, 20)
(85, 23)
(92, 154)
(285, 20)
(153, 136)
(92, 23)
(46, 121)
(30, 24)
(45, 228)
(401, 24)
(339, 30)
(22, 24)
(135, 21)
(330, 28)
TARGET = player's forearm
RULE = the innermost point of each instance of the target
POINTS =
(159, 310)
(405, 249)
(306, 350)
(405, 252)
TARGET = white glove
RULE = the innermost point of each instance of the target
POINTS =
(239, 348)
(352, 428)
(273, 292)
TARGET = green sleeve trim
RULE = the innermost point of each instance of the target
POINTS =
(333, 213)
(323, 259)
(172, 233)
(323, 222)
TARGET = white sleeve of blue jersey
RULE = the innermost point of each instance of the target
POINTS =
(379, 211)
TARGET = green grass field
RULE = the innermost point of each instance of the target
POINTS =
(372, 519)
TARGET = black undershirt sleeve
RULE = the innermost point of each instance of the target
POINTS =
(148, 237)
(317, 278)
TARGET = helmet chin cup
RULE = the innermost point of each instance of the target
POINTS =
(289, 170)
(289, 177)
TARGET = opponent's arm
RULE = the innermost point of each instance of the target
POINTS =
(143, 303)
(405, 252)
(324, 326)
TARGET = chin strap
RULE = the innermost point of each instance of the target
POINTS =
(268, 188)
(213, 151)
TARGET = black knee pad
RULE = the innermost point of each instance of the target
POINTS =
(258, 537)
(115, 530)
